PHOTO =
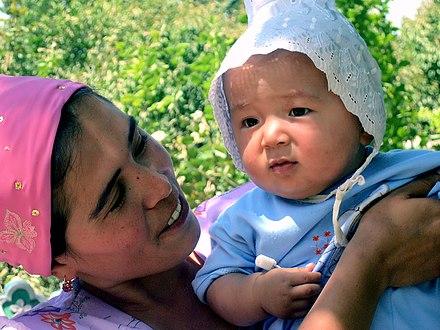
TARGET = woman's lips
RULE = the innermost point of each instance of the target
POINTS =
(176, 213)
(178, 216)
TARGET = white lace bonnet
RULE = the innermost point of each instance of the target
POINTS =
(317, 29)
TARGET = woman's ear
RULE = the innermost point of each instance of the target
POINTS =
(63, 267)
(365, 138)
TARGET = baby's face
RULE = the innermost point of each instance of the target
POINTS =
(295, 137)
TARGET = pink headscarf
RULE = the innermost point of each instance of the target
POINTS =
(30, 109)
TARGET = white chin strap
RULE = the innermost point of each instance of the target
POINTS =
(341, 191)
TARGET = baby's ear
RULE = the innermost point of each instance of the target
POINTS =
(62, 267)
(365, 138)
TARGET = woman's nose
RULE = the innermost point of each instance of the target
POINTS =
(154, 187)
(274, 134)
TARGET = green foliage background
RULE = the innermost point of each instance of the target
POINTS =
(418, 50)
(156, 59)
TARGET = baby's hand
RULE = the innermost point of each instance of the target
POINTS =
(287, 293)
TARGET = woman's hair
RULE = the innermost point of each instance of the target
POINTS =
(69, 129)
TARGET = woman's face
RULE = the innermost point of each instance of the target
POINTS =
(129, 218)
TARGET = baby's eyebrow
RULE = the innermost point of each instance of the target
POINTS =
(239, 105)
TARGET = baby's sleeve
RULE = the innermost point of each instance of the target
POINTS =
(232, 250)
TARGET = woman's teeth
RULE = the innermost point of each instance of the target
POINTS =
(175, 214)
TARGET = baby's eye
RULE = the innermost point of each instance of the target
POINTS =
(249, 122)
(298, 112)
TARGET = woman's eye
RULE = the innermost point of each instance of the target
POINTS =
(249, 122)
(119, 199)
(298, 112)
(140, 147)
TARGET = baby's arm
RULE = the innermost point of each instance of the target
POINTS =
(246, 299)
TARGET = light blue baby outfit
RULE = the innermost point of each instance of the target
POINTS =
(295, 233)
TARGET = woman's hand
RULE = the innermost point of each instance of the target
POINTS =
(396, 244)
(401, 235)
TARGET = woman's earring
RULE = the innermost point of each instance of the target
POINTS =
(68, 284)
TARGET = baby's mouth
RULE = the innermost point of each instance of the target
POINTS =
(280, 163)
(282, 166)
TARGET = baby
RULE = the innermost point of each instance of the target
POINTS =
(298, 99)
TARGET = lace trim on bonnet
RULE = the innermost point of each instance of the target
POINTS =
(317, 29)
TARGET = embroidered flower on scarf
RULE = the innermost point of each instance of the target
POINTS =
(18, 231)
(59, 321)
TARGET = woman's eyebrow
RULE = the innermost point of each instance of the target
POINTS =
(131, 130)
(103, 199)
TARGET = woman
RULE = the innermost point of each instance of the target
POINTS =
(119, 221)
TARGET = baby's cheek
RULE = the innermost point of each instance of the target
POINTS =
(249, 166)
